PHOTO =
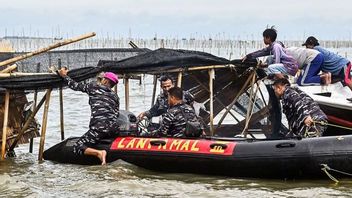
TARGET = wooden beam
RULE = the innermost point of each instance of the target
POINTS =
(4, 126)
(44, 125)
(45, 49)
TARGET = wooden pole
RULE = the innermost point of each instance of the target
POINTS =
(4, 127)
(19, 74)
(154, 89)
(27, 123)
(197, 68)
(44, 124)
(217, 99)
(211, 91)
(179, 79)
(61, 97)
(127, 93)
(45, 49)
(35, 98)
(250, 106)
(115, 88)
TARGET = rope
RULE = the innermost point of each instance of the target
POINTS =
(326, 168)
(315, 133)
(334, 125)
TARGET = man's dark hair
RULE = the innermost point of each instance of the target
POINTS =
(176, 92)
(271, 33)
(311, 41)
(165, 78)
(282, 81)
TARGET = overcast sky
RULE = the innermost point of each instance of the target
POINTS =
(294, 19)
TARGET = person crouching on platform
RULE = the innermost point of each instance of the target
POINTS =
(174, 121)
(305, 118)
(104, 104)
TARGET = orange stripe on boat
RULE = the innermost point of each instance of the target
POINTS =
(173, 145)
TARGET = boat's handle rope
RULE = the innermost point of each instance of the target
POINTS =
(326, 168)
(334, 125)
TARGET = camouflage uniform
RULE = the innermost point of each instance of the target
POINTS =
(174, 121)
(104, 104)
(161, 105)
(297, 105)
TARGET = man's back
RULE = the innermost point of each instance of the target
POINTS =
(332, 62)
(297, 105)
(103, 101)
(174, 121)
(302, 55)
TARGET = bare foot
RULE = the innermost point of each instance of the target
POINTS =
(102, 157)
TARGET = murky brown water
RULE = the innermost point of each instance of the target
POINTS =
(23, 176)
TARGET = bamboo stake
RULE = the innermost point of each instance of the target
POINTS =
(9, 69)
(44, 124)
(250, 106)
(19, 74)
(217, 99)
(29, 120)
(115, 88)
(62, 129)
(35, 98)
(235, 99)
(34, 105)
(4, 127)
(127, 94)
(179, 79)
(211, 95)
(45, 49)
(154, 89)
(198, 68)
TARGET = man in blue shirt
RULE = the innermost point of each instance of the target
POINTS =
(338, 66)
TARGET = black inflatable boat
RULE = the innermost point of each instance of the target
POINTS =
(231, 157)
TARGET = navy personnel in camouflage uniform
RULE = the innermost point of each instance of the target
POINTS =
(104, 104)
(161, 106)
(301, 111)
(174, 121)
